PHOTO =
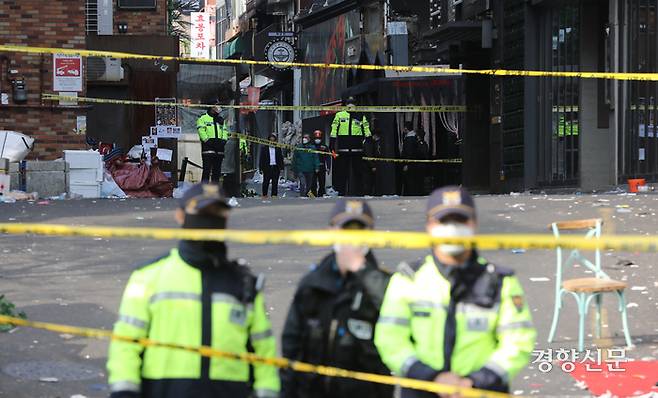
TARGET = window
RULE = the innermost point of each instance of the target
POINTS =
(137, 4)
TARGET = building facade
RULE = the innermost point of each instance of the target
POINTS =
(555, 132)
(59, 23)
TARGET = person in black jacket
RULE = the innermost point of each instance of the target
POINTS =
(320, 177)
(372, 172)
(410, 151)
(333, 314)
(271, 164)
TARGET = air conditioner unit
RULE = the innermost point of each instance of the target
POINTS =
(104, 69)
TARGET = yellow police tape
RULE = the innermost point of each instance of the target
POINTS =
(283, 363)
(263, 141)
(454, 161)
(421, 69)
(373, 239)
(332, 108)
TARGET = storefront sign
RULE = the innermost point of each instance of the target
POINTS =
(280, 51)
(200, 37)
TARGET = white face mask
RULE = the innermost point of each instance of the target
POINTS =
(455, 230)
(318, 141)
(305, 141)
(350, 258)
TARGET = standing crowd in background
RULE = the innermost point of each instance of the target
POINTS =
(349, 157)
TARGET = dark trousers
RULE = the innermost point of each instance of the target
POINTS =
(231, 185)
(370, 181)
(413, 181)
(212, 159)
(348, 174)
(306, 180)
(271, 174)
(319, 182)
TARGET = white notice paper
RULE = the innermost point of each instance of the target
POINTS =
(642, 154)
(164, 154)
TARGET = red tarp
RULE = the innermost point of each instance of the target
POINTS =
(141, 181)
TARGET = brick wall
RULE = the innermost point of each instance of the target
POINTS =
(143, 22)
(53, 23)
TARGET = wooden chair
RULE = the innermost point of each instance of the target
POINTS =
(585, 289)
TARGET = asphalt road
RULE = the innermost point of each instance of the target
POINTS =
(79, 281)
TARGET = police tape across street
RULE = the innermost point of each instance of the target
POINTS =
(373, 239)
(263, 141)
(394, 68)
(250, 358)
(308, 108)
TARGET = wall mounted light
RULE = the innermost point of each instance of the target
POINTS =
(122, 27)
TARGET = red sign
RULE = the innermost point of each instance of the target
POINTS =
(67, 73)
(68, 67)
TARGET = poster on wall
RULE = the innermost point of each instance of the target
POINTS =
(67, 72)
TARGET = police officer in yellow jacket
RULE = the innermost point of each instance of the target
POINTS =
(213, 134)
(454, 318)
(348, 133)
(193, 296)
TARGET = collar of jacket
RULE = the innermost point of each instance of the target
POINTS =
(327, 277)
(193, 253)
(469, 271)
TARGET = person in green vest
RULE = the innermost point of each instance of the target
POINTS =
(454, 318)
(348, 133)
(213, 134)
(193, 296)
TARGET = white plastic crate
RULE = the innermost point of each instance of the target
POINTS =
(85, 176)
(84, 160)
(86, 191)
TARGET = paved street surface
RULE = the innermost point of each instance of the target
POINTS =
(79, 281)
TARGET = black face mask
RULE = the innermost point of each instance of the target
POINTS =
(201, 221)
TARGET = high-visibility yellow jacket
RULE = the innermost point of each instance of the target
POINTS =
(208, 129)
(342, 126)
(348, 133)
(173, 301)
(427, 324)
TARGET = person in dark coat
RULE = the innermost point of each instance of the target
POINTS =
(421, 170)
(320, 177)
(332, 317)
(409, 151)
(271, 164)
(372, 173)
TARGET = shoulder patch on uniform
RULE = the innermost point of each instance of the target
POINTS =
(145, 264)
(518, 302)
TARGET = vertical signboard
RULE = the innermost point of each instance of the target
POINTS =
(67, 72)
(200, 37)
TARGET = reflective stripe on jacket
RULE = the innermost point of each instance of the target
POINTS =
(208, 128)
(173, 301)
(493, 332)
